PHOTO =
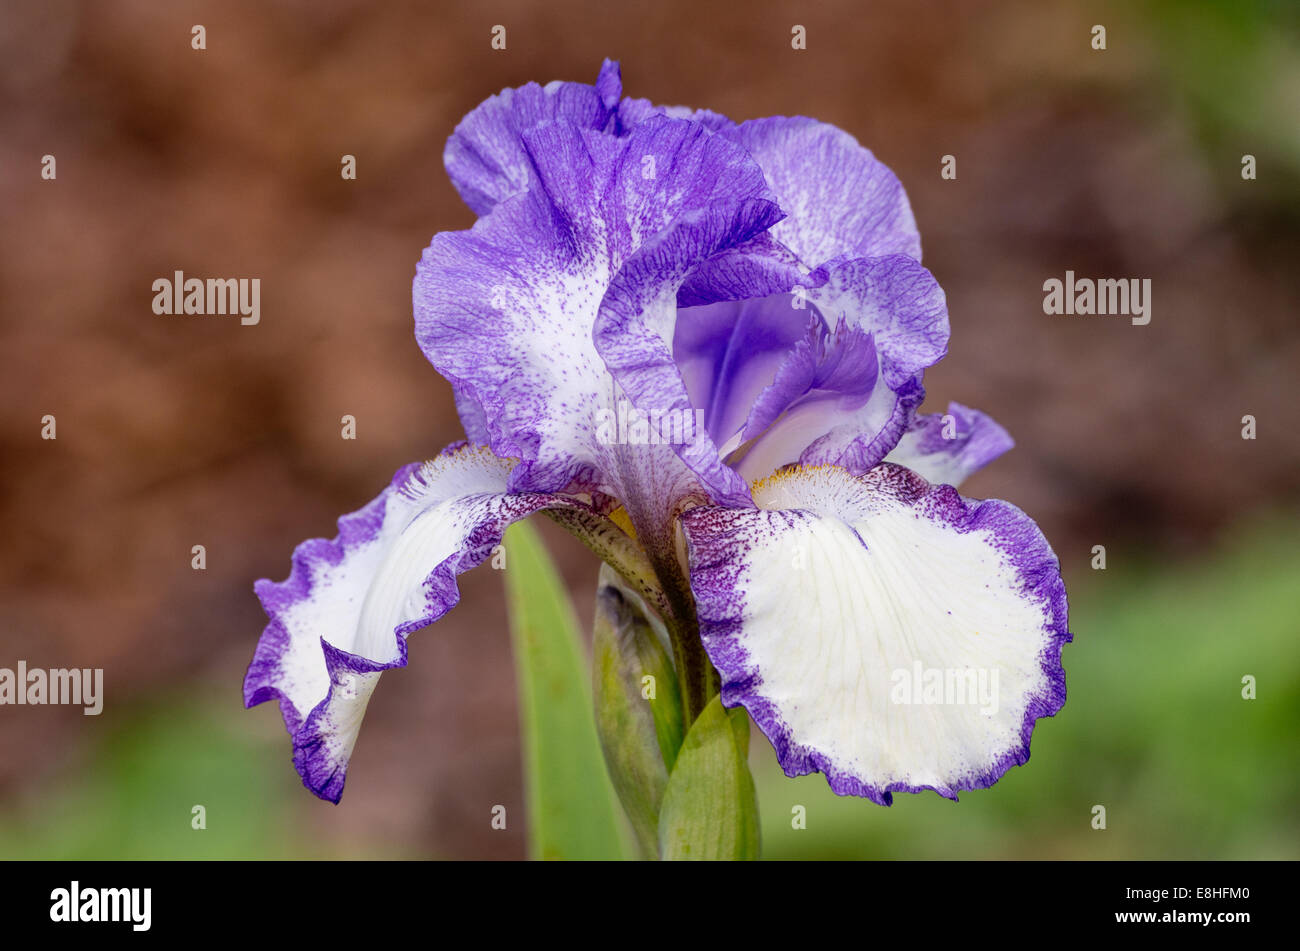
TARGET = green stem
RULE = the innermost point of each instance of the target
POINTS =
(659, 579)
(617, 549)
(699, 681)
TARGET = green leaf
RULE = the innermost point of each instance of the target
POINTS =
(710, 810)
(571, 808)
(638, 705)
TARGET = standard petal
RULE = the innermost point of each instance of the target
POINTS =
(828, 380)
(507, 310)
(840, 202)
(344, 613)
(486, 158)
(830, 374)
(883, 631)
(904, 309)
(632, 112)
(758, 268)
(839, 199)
(728, 353)
(849, 246)
(947, 448)
(845, 392)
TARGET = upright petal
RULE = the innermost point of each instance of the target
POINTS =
(344, 613)
(947, 448)
(840, 202)
(507, 310)
(848, 245)
(904, 309)
(728, 353)
(486, 157)
(828, 375)
(632, 112)
(839, 199)
(760, 267)
(885, 632)
(830, 379)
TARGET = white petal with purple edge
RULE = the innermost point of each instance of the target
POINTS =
(343, 615)
(883, 631)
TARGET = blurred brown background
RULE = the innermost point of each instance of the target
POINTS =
(176, 431)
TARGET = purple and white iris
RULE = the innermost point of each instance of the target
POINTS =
(797, 528)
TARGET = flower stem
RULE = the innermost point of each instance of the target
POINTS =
(699, 681)
(654, 572)
(617, 549)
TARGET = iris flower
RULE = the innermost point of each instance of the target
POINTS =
(698, 345)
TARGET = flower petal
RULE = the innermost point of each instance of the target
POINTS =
(829, 375)
(904, 309)
(486, 158)
(632, 112)
(821, 606)
(845, 392)
(948, 448)
(344, 613)
(758, 268)
(839, 199)
(507, 310)
(729, 352)
(827, 380)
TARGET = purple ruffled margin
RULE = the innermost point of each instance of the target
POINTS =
(978, 439)
(321, 773)
(720, 602)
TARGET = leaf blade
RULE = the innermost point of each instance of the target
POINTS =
(710, 807)
(572, 813)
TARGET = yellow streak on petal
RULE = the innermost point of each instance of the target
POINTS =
(619, 518)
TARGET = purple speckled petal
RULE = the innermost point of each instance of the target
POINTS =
(486, 158)
(761, 267)
(729, 352)
(840, 368)
(830, 374)
(848, 380)
(343, 615)
(829, 379)
(902, 306)
(883, 631)
(472, 418)
(840, 200)
(947, 448)
(508, 310)
(635, 327)
(632, 112)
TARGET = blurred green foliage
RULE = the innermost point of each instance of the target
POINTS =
(572, 810)
(1155, 729)
(1235, 67)
(134, 798)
